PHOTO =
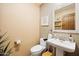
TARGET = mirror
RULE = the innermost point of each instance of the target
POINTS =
(65, 18)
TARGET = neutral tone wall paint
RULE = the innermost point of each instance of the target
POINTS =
(21, 21)
(48, 10)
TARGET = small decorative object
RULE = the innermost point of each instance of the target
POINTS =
(44, 21)
(71, 38)
(50, 34)
(47, 53)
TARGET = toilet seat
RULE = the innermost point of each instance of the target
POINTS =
(37, 48)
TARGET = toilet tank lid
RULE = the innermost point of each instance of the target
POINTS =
(36, 48)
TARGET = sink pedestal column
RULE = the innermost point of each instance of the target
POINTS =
(59, 52)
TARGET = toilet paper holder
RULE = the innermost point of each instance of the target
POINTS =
(17, 42)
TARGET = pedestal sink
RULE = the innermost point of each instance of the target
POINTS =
(61, 46)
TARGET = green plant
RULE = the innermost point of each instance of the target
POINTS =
(4, 48)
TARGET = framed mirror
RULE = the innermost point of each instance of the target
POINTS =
(65, 19)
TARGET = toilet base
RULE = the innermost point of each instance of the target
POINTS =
(36, 54)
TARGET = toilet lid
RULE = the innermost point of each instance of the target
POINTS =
(36, 48)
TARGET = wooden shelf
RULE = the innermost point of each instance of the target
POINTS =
(58, 24)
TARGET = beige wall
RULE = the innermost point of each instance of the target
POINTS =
(21, 21)
(47, 9)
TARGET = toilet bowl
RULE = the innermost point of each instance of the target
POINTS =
(37, 49)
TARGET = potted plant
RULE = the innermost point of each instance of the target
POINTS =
(4, 48)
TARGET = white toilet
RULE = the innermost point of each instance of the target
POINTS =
(36, 50)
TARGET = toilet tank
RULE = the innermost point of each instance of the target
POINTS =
(42, 42)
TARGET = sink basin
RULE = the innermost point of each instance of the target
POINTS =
(62, 45)
(65, 45)
(69, 46)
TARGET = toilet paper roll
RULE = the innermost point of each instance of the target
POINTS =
(18, 42)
